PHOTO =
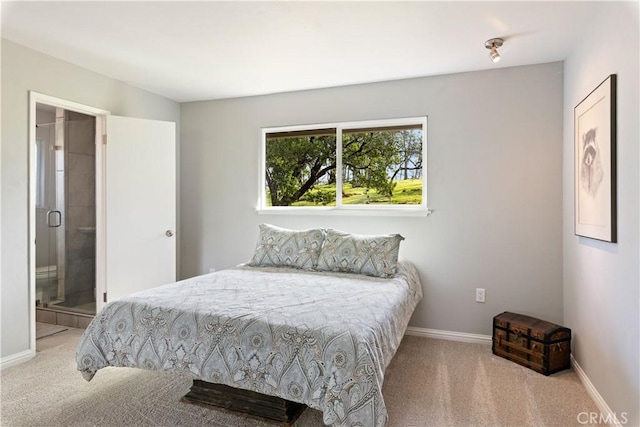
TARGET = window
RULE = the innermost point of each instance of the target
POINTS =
(370, 165)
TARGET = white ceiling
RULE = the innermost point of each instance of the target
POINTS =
(191, 51)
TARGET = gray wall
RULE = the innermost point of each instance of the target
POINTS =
(24, 69)
(601, 295)
(495, 168)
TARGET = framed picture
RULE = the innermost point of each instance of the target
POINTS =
(595, 163)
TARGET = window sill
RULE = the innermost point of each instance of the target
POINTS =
(346, 211)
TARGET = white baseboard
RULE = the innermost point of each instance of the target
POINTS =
(448, 335)
(593, 392)
(16, 359)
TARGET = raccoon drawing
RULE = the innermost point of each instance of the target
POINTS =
(591, 173)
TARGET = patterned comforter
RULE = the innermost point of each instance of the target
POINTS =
(322, 339)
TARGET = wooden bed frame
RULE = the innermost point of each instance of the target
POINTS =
(246, 403)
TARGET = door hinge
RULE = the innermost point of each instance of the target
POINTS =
(104, 297)
(104, 139)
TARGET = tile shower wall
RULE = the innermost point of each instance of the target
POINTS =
(81, 209)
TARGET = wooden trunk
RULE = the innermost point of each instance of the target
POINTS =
(542, 346)
(245, 402)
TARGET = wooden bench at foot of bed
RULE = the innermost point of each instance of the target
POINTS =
(245, 402)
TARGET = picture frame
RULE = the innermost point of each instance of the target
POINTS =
(595, 163)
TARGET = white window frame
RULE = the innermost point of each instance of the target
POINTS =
(340, 208)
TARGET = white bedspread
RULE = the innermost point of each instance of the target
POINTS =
(323, 339)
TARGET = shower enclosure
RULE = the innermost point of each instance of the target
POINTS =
(65, 210)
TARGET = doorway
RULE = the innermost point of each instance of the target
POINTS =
(65, 211)
(140, 246)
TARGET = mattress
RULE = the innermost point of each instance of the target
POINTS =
(322, 339)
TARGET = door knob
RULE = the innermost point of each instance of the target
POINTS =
(169, 233)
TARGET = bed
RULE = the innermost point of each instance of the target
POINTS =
(323, 339)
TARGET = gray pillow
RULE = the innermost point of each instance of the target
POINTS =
(375, 255)
(280, 247)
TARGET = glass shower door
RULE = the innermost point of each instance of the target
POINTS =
(65, 210)
(48, 217)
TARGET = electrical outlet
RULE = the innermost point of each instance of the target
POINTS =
(479, 294)
(212, 270)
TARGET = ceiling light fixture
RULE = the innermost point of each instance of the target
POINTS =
(493, 45)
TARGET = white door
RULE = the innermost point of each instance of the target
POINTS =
(140, 205)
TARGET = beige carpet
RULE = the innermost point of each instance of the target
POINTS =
(429, 383)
